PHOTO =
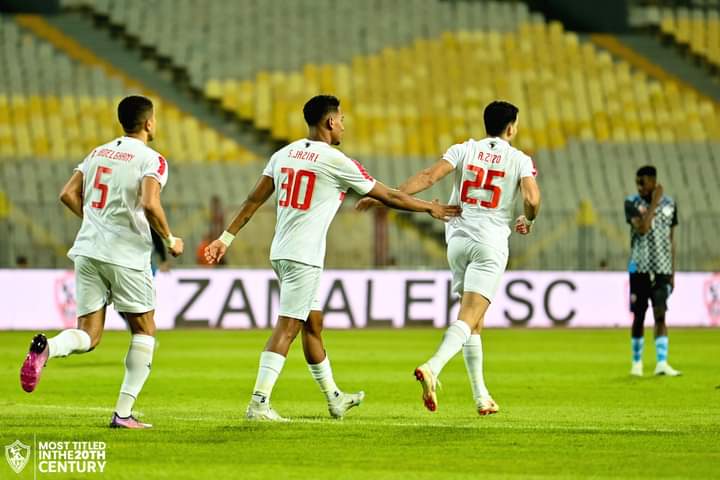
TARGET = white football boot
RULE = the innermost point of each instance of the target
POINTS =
(663, 368)
(486, 406)
(637, 369)
(260, 412)
(339, 406)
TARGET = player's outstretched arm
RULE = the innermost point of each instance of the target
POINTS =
(155, 213)
(402, 201)
(421, 181)
(72, 194)
(531, 205)
(264, 188)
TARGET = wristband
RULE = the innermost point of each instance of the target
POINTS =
(226, 238)
(169, 241)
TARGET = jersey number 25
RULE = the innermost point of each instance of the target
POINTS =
(478, 183)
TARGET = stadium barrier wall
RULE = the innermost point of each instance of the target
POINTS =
(241, 299)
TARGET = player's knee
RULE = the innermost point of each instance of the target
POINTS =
(659, 314)
(289, 330)
(146, 330)
(312, 328)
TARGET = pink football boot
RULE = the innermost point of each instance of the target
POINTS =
(128, 422)
(34, 362)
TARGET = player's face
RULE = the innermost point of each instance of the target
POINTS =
(150, 126)
(645, 185)
(337, 127)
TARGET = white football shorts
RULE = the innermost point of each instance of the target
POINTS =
(100, 283)
(475, 267)
(299, 284)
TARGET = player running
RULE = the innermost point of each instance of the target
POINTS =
(487, 176)
(312, 178)
(116, 192)
(652, 217)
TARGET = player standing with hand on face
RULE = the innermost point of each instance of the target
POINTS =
(312, 178)
(487, 176)
(652, 217)
(116, 193)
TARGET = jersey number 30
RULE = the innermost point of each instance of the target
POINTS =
(478, 183)
(103, 187)
(293, 185)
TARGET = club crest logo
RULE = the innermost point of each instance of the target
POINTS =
(17, 455)
(711, 294)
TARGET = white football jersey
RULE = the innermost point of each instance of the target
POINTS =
(487, 179)
(311, 179)
(114, 227)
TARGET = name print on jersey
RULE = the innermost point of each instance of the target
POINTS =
(114, 154)
(489, 157)
(303, 155)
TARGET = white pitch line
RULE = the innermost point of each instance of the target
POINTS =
(414, 424)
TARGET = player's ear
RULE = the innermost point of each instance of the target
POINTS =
(330, 122)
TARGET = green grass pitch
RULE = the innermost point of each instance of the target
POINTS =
(569, 409)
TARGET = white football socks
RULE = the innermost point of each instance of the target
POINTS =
(271, 364)
(455, 337)
(68, 342)
(473, 354)
(322, 373)
(138, 362)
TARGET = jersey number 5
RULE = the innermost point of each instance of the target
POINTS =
(292, 187)
(478, 183)
(103, 187)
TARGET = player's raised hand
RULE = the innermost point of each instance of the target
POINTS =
(215, 251)
(366, 203)
(444, 212)
(523, 225)
(177, 249)
(657, 193)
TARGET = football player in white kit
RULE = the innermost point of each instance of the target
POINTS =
(311, 178)
(116, 193)
(487, 175)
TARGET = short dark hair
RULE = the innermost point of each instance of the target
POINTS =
(133, 111)
(498, 115)
(318, 106)
(647, 171)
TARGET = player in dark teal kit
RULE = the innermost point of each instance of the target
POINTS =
(653, 218)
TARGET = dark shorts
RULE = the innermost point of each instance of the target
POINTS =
(646, 287)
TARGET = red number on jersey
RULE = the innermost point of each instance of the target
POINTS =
(287, 186)
(495, 199)
(477, 182)
(101, 186)
(293, 184)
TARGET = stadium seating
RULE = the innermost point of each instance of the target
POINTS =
(406, 102)
(53, 107)
(415, 80)
(414, 86)
(695, 28)
(235, 39)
